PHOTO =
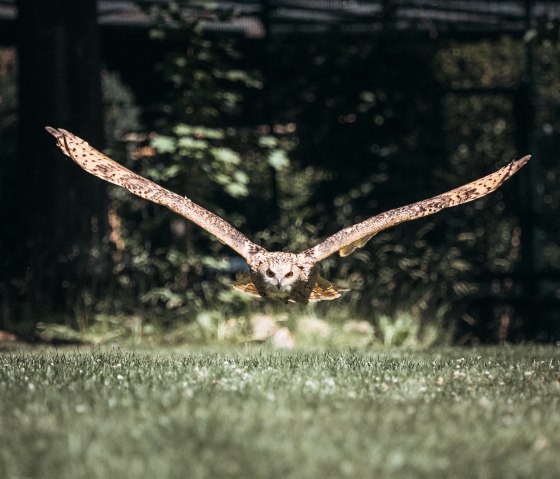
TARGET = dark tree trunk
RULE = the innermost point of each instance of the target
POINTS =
(57, 214)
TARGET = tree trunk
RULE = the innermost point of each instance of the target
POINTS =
(57, 213)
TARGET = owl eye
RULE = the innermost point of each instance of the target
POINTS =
(269, 273)
(289, 274)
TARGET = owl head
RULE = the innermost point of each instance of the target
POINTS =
(277, 274)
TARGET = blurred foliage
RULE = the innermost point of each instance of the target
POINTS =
(358, 130)
(291, 140)
(291, 153)
(198, 145)
(279, 329)
(547, 139)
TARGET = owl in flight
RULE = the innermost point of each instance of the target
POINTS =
(276, 275)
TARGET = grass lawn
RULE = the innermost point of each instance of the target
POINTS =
(111, 413)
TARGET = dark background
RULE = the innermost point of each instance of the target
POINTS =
(292, 119)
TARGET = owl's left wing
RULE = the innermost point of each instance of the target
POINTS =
(356, 236)
(98, 164)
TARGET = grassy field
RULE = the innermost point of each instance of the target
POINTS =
(111, 413)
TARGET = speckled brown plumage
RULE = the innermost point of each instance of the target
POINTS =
(356, 236)
(276, 275)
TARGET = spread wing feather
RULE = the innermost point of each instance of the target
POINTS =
(325, 290)
(103, 167)
(356, 236)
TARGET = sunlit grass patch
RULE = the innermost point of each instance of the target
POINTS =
(257, 412)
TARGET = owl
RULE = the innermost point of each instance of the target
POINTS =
(278, 276)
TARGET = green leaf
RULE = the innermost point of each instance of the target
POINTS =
(171, 172)
(182, 129)
(222, 179)
(278, 160)
(239, 76)
(241, 177)
(268, 142)
(226, 156)
(210, 133)
(191, 143)
(367, 96)
(236, 189)
(164, 144)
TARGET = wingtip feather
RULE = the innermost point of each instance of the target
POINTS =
(517, 164)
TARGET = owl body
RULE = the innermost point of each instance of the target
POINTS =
(287, 277)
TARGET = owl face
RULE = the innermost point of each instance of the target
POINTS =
(280, 276)
(276, 276)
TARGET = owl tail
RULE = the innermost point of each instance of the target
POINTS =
(325, 291)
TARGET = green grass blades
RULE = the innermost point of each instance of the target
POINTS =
(261, 413)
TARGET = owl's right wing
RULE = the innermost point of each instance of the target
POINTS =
(98, 164)
(356, 236)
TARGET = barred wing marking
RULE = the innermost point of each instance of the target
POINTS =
(356, 236)
(98, 164)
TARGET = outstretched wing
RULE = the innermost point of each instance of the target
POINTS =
(102, 166)
(356, 236)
